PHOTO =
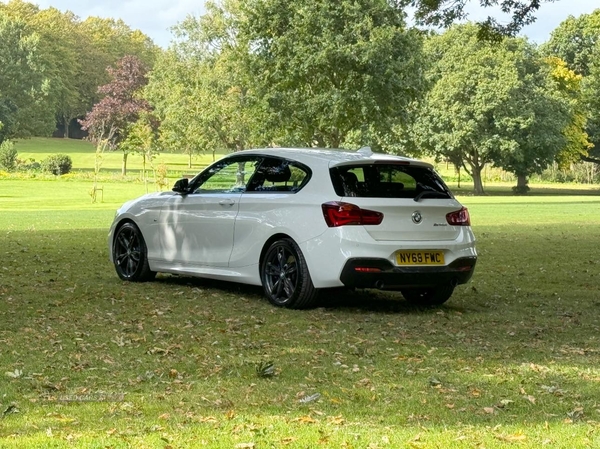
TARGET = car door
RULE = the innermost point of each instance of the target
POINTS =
(270, 203)
(197, 228)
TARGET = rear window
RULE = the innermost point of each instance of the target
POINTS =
(387, 181)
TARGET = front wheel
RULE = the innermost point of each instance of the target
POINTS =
(429, 296)
(285, 277)
(130, 254)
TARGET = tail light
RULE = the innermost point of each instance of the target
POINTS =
(337, 214)
(459, 217)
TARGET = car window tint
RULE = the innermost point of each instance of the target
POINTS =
(279, 175)
(228, 176)
(386, 181)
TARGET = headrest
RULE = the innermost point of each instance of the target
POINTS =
(278, 174)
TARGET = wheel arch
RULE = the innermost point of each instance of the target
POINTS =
(268, 243)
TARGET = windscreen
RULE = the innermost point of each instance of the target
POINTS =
(387, 180)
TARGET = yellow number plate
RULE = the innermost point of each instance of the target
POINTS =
(420, 258)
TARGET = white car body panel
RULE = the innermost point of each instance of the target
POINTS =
(197, 229)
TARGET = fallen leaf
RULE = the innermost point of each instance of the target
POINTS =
(245, 446)
(489, 410)
(511, 438)
(311, 398)
(306, 420)
(529, 398)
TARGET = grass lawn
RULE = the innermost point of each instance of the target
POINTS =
(86, 360)
(83, 155)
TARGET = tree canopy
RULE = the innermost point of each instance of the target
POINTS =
(490, 104)
(446, 12)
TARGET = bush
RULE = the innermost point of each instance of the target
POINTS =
(8, 156)
(28, 165)
(57, 164)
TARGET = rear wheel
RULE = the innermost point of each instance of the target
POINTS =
(130, 254)
(285, 277)
(428, 296)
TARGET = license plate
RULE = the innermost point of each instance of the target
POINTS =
(420, 258)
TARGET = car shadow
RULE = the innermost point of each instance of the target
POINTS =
(341, 299)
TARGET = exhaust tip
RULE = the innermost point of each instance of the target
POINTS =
(379, 284)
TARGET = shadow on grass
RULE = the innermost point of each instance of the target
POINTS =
(334, 299)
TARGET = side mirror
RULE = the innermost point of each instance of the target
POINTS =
(181, 186)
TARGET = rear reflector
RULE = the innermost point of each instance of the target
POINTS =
(367, 269)
(459, 217)
(337, 213)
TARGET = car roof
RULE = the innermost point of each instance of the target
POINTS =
(333, 157)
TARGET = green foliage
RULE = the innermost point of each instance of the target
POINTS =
(446, 12)
(320, 66)
(57, 164)
(490, 104)
(71, 57)
(8, 156)
(23, 81)
(574, 41)
(591, 98)
(568, 85)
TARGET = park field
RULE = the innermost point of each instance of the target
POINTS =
(512, 360)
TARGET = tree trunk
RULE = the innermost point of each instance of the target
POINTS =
(477, 182)
(124, 166)
(67, 121)
(521, 182)
(190, 159)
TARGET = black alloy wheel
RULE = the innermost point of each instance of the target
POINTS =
(285, 276)
(130, 254)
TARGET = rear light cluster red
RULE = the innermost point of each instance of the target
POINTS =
(459, 217)
(337, 213)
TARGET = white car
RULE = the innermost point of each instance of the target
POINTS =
(300, 220)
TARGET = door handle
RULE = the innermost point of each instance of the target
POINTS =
(228, 202)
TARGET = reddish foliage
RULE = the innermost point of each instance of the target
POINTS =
(121, 104)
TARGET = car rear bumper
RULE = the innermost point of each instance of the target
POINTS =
(381, 274)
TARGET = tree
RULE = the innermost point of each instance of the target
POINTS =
(108, 122)
(23, 84)
(538, 129)
(141, 138)
(591, 99)
(568, 85)
(574, 41)
(331, 69)
(201, 92)
(71, 79)
(446, 12)
(489, 103)
(577, 42)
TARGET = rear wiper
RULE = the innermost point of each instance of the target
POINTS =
(430, 193)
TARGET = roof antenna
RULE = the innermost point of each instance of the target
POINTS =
(365, 151)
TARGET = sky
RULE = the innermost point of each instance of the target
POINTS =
(156, 17)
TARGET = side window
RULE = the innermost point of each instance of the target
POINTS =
(228, 176)
(279, 175)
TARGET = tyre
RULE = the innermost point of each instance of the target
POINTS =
(430, 296)
(285, 277)
(130, 254)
